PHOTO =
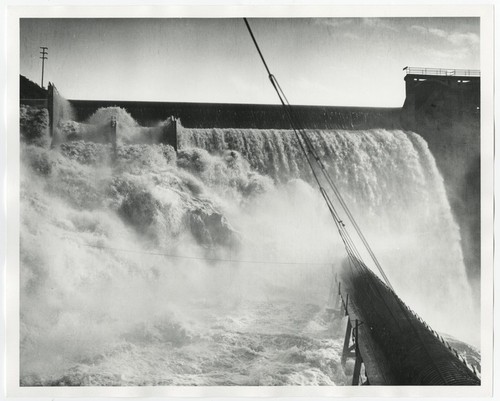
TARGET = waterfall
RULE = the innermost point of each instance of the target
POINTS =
(211, 266)
(390, 180)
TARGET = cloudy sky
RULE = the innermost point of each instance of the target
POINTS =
(324, 61)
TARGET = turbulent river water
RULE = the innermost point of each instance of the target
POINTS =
(212, 265)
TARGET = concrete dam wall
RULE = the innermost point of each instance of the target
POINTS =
(258, 116)
(62, 110)
(59, 109)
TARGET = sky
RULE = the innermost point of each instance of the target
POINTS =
(317, 61)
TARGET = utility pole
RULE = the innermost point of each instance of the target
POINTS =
(44, 53)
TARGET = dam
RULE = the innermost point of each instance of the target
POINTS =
(441, 105)
(212, 115)
(210, 122)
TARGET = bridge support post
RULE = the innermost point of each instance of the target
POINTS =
(170, 133)
(112, 138)
(338, 299)
(356, 375)
(346, 311)
(351, 349)
(347, 350)
(334, 299)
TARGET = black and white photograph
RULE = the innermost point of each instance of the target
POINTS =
(251, 201)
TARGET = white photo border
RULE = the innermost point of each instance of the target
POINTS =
(12, 181)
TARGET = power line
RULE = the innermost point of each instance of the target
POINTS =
(44, 53)
(176, 256)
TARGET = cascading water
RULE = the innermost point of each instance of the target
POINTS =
(212, 266)
(390, 181)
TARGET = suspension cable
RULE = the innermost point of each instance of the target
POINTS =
(307, 148)
(333, 186)
(167, 254)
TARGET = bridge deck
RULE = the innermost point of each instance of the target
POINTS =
(396, 346)
(376, 364)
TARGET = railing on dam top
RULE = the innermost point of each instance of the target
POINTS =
(445, 72)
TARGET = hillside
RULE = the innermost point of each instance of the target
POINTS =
(31, 90)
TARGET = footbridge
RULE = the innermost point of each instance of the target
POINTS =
(388, 342)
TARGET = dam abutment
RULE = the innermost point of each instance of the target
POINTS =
(443, 106)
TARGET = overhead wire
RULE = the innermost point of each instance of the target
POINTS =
(231, 260)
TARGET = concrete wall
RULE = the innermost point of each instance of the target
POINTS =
(222, 115)
(457, 98)
(37, 103)
(60, 110)
(445, 111)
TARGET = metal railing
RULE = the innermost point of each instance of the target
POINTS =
(445, 72)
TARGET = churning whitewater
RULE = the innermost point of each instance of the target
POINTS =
(212, 265)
